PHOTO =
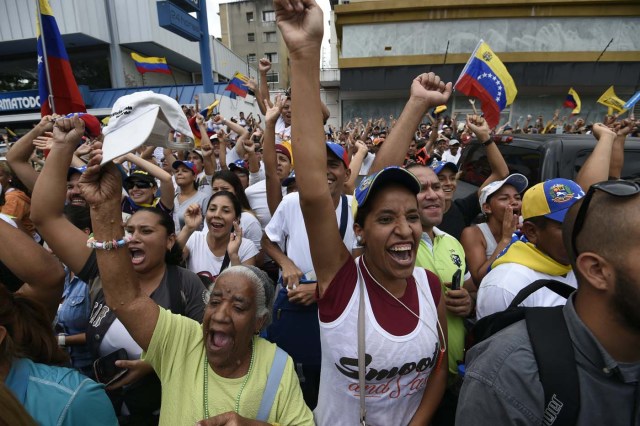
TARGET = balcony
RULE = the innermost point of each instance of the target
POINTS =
(330, 77)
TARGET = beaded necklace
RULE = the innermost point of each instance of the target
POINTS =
(205, 382)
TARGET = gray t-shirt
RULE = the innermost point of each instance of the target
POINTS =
(200, 197)
(502, 385)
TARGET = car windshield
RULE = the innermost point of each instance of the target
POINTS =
(527, 161)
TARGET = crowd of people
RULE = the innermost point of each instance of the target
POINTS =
(287, 272)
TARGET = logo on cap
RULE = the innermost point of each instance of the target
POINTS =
(560, 193)
(366, 183)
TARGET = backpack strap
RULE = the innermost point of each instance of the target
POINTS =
(557, 287)
(176, 303)
(273, 381)
(344, 216)
(553, 349)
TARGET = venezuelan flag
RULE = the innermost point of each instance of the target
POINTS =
(485, 77)
(64, 89)
(238, 85)
(150, 64)
(573, 101)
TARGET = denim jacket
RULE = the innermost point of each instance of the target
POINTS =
(72, 318)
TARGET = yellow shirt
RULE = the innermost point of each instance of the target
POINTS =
(444, 259)
(177, 353)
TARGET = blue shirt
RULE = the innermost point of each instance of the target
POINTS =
(73, 317)
(59, 396)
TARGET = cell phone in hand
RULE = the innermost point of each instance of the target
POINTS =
(455, 280)
(105, 367)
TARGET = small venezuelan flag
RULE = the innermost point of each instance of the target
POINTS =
(485, 77)
(238, 85)
(572, 101)
(150, 64)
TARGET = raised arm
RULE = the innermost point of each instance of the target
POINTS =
(427, 91)
(101, 188)
(20, 153)
(302, 29)
(617, 154)
(263, 90)
(41, 272)
(499, 168)
(269, 157)
(355, 165)
(596, 168)
(167, 192)
(47, 201)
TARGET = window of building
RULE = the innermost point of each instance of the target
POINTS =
(270, 37)
(251, 36)
(268, 16)
(249, 16)
(251, 57)
(272, 57)
(273, 77)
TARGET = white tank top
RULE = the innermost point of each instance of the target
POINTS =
(488, 238)
(397, 368)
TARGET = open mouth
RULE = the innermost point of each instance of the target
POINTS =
(78, 201)
(401, 253)
(217, 340)
(137, 256)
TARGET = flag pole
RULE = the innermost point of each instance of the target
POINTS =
(175, 85)
(44, 57)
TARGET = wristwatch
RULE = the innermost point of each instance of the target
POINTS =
(62, 339)
(488, 142)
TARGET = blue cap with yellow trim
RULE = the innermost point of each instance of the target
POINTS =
(551, 199)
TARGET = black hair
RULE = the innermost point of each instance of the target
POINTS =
(541, 222)
(234, 200)
(79, 216)
(232, 179)
(173, 256)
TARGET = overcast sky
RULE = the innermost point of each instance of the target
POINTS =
(214, 21)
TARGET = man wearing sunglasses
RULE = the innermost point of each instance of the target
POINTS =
(602, 318)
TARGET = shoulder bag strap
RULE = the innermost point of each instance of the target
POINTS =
(225, 262)
(557, 287)
(273, 382)
(553, 349)
(344, 216)
(361, 349)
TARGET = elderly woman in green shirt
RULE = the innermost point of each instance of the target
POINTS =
(215, 373)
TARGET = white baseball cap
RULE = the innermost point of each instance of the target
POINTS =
(518, 181)
(143, 117)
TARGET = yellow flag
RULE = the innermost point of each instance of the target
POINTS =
(609, 99)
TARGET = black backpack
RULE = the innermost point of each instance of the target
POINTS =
(551, 345)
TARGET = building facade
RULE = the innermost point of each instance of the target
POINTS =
(249, 29)
(547, 46)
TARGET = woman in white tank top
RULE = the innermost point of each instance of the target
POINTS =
(405, 362)
(500, 202)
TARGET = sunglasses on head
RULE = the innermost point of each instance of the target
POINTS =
(615, 188)
(140, 184)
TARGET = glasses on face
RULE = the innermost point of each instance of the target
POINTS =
(615, 188)
(140, 184)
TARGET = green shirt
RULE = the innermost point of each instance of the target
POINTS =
(177, 353)
(445, 259)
